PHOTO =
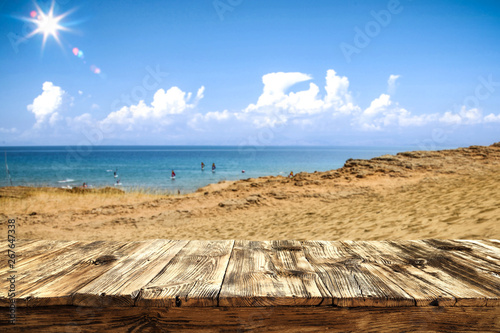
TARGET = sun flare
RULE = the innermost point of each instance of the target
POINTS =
(47, 24)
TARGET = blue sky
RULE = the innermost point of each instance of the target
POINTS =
(240, 72)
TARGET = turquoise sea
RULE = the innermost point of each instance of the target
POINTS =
(150, 167)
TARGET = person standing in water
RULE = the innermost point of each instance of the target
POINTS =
(213, 167)
(173, 174)
(290, 175)
(202, 165)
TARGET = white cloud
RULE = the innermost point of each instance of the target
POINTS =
(80, 92)
(173, 101)
(377, 114)
(8, 130)
(383, 112)
(302, 102)
(378, 105)
(275, 85)
(199, 120)
(338, 97)
(491, 118)
(47, 104)
(165, 104)
(275, 106)
(310, 112)
(464, 116)
(450, 118)
(199, 94)
(391, 83)
(54, 118)
(85, 118)
(409, 120)
(217, 115)
(80, 123)
(471, 116)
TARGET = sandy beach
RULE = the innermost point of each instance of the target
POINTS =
(413, 195)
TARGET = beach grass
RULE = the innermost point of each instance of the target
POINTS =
(49, 200)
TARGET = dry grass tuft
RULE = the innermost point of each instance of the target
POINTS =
(50, 200)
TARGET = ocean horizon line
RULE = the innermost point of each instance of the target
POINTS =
(129, 167)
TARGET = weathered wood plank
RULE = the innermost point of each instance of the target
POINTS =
(52, 281)
(293, 262)
(411, 268)
(89, 263)
(271, 273)
(192, 278)
(35, 251)
(479, 251)
(484, 249)
(324, 259)
(394, 273)
(376, 281)
(350, 282)
(40, 265)
(18, 243)
(274, 273)
(430, 267)
(256, 319)
(120, 285)
(21, 248)
(471, 266)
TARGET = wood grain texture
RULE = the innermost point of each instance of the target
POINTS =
(38, 251)
(483, 249)
(20, 243)
(396, 274)
(192, 278)
(494, 242)
(121, 284)
(271, 273)
(40, 265)
(471, 266)
(436, 267)
(90, 262)
(166, 273)
(256, 319)
(351, 278)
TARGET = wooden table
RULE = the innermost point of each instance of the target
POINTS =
(273, 286)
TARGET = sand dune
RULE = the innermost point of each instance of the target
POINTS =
(413, 195)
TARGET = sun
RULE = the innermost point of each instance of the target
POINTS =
(47, 24)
